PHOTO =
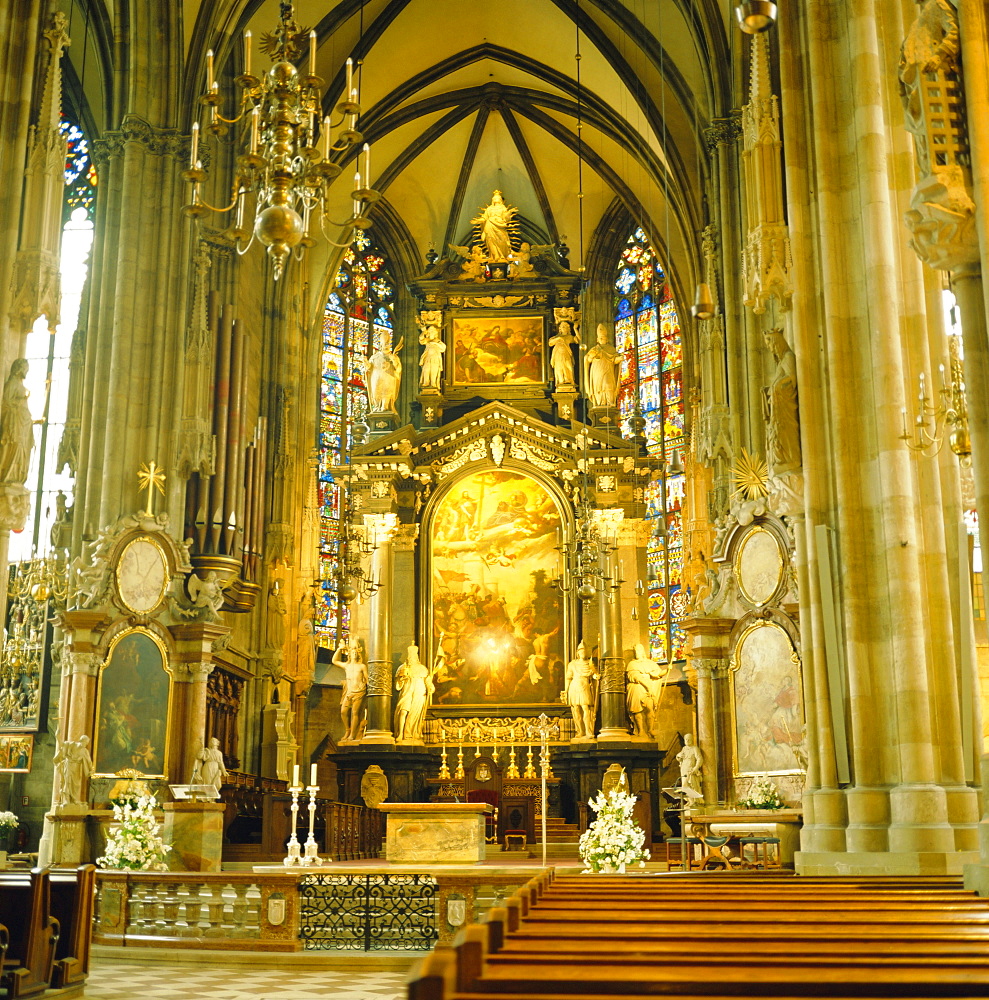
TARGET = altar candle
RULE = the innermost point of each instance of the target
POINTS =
(295, 775)
(312, 774)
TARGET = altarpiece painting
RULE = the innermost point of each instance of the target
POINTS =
(133, 704)
(498, 614)
(767, 701)
(498, 350)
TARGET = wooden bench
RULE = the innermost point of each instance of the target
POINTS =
(73, 897)
(590, 937)
(25, 910)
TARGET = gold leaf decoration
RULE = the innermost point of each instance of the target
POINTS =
(750, 474)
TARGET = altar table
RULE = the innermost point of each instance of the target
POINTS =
(451, 832)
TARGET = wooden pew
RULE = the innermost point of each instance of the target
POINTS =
(580, 937)
(25, 910)
(73, 897)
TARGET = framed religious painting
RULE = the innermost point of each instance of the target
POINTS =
(767, 703)
(497, 350)
(499, 616)
(133, 705)
(26, 649)
(16, 753)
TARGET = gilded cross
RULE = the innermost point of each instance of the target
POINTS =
(151, 478)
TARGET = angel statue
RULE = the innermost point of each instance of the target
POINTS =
(475, 259)
(206, 596)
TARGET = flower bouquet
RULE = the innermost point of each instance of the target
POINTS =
(8, 825)
(614, 839)
(763, 794)
(134, 841)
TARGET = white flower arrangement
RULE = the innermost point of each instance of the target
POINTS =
(613, 840)
(8, 823)
(134, 842)
(763, 794)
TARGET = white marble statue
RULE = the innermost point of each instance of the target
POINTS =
(578, 693)
(691, 762)
(601, 365)
(383, 370)
(782, 425)
(354, 693)
(74, 767)
(642, 692)
(209, 768)
(494, 220)
(16, 427)
(415, 685)
(431, 359)
(561, 356)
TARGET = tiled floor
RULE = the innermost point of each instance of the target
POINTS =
(110, 981)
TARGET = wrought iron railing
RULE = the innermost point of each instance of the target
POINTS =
(368, 912)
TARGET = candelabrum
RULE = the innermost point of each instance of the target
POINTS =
(530, 771)
(948, 417)
(351, 580)
(444, 774)
(459, 771)
(288, 163)
(294, 856)
(513, 771)
(311, 856)
(586, 558)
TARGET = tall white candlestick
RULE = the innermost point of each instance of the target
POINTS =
(312, 768)
(295, 775)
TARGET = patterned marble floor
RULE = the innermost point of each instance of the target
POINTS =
(110, 981)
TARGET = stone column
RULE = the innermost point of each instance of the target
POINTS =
(380, 681)
(192, 665)
(611, 661)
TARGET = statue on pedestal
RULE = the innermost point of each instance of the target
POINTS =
(691, 762)
(16, 427)
(415, 684)
(74, 767)
(209, 768)
(645, 685)
(495, 221)
(579, 692)
(782, 425)
(561, 356)
(276, 616)
(601, 364)
(354, 693)
(431, 360)
(383, 370)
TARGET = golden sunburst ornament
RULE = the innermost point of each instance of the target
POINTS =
(750, 474)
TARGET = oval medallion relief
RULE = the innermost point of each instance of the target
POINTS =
(759, 566)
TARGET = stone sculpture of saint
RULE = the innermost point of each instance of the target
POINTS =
(415, 685)
(74, 766)
(354, 693)
(16, 427)
(601, 364)
(561, 357)
(494, 221)
(384, 378)
(783, 428)
(691, 763)
(578, 693)
(209, 768)
(642, 691)
(276, 616)
(431, 360)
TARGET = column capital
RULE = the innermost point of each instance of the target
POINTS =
(380, 528)
(405, 537)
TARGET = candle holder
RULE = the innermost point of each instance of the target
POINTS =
(513, 771)
(459, 772)
(530, 770)
(294, 856)
(311, 856)
(444, 774)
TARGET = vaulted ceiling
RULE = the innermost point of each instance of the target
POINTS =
(460, 98)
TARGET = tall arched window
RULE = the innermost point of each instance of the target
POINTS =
(359, 316)
(647, 334)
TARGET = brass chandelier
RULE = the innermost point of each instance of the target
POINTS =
(287, 160)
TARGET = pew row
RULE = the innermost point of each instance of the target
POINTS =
(693, 937)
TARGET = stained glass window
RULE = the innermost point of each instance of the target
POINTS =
(80, 174)
(647, 335)
(359, 317)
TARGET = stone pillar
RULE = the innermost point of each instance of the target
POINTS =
(192, 665)
(380, 681)
(611, 661)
